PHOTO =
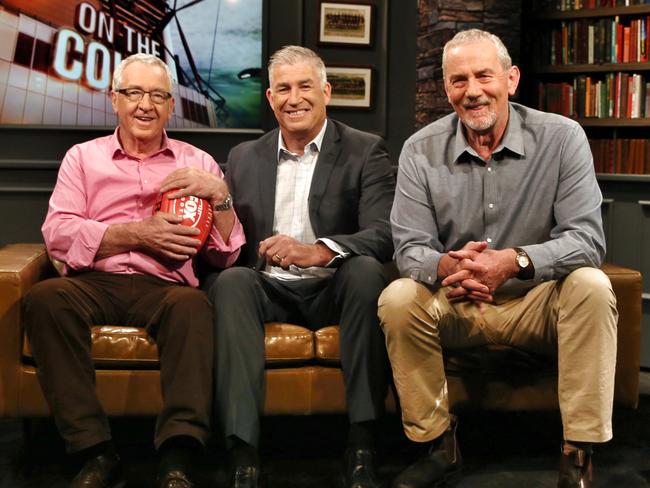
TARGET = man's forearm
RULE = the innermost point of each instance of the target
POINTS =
(224, 221)
(117, 239)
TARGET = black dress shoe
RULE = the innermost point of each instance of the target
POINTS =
(103, 471)
(245, 477)
(359, 469)
(575, 470)
(438, 468)
(174, 479)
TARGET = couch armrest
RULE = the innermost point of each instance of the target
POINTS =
(21, 266)
(628, 288)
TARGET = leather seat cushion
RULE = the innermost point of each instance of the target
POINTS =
(327, 344)
(116, 346)
(286, 344)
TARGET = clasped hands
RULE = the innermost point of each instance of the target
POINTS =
(161, 233)
(475, 272)
(284, 251)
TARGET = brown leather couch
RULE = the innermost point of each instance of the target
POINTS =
(303, 375)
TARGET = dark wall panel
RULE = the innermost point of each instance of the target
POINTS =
(375, 57)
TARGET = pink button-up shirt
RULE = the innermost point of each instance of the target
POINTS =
(99, 184)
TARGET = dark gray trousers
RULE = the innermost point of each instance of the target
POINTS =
(244, 299)
(58, 315)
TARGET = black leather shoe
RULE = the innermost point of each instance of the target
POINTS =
(359, 469)
(245, 477)
(174, 479)
(438, 468)
(103, 471)
(575, 470)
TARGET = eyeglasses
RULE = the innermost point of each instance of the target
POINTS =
(136, 94)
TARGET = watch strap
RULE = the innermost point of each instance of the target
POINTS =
(225, 205)
(527, 272)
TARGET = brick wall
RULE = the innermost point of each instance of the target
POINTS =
(438, 21)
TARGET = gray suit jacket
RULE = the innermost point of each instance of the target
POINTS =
(350, 197)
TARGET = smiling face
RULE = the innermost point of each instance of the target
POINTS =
(298, 101)
(478, 87)
(141, 123)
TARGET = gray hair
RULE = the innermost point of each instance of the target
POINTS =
(477, 35)
(290, 55)
(139, 58)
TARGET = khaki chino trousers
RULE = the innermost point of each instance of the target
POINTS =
(573, 319)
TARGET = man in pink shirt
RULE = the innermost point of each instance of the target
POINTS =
(125, 264)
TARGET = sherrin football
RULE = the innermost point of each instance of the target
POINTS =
(196, 212)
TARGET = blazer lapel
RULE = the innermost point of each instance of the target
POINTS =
(330, 150)
(267, 174)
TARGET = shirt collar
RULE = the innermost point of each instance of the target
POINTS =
(116, 148)
(315, 143)
(513, 138)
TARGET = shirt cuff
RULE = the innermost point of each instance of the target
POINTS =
(424, 269)
(220, 253)
(85, 245)
(340, 251)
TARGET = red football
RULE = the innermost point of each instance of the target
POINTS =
(196, 212)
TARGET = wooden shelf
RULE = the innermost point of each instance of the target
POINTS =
(591, 68)
(611, 122)
(622, 177)
(586, 13)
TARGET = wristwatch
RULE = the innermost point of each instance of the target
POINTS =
(225, 205)
(526, 268)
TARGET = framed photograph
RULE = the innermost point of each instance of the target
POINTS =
(345, 23)
(351, 86)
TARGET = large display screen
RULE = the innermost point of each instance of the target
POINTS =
(57, 59)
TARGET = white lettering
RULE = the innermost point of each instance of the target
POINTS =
(155, 48)
(65, 38)
(73, 59)
(129, 38)
(98, 66)
(86, 17)
(189, 211)
(106, 28)
(143, 43)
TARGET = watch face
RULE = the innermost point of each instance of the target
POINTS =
(225, 205)
(522, 260)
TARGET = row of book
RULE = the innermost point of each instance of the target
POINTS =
(605, 40)
(623, 156)
(615, 95)
(565, 5)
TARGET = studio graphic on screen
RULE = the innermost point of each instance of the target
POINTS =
(57, 59)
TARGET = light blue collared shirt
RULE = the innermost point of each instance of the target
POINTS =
(538, 191)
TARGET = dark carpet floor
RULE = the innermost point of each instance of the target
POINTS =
(500, 450)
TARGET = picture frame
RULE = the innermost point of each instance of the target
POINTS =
(345, 24)
(352, 86)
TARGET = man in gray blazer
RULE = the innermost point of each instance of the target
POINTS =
(314, 197)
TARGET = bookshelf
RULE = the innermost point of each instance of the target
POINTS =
(546, 12)
(588, 59)
(592, 68)
(591, 62)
